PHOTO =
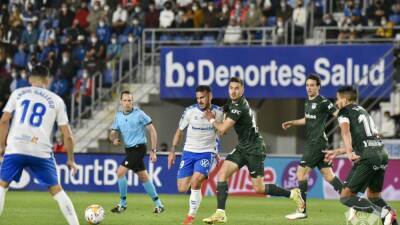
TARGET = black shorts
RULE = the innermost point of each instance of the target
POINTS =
(313, 157)
(254, 163)
(134, 158)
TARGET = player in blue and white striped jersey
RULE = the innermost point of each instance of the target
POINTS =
(199, 150)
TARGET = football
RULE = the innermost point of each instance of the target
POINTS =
(94, 214)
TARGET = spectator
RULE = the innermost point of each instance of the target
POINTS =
(98, 48)
(30, 36)
(82, 14)
(5, 81)
(15, 20)
(83, 92)
(152, 17)
(66, 18)
(299, 19)
(20, 58)
(29, 16)
(279, 31)
(376, 11)
(95, 14)
(210, 16)
(59, 145)
(233, 33)
(119, 20)
(223, 17)
(395, 16)
(253, 17)
(268, 8)
(51, 46)
(284, 10)
(385, 30)
(331, 24)
(238, 13)
(113, 49)
(135, 29)
(19, 81)
(51, 62)
(75, 30)
(90, 63)
(139, 14)
(103, 32)
(184, 3)
(68, 69)
(184, 19)
(108, 74)
(167, 16)
(79, 51)
(198, 17)
(47, 33)
(107, 14)
(388, 129)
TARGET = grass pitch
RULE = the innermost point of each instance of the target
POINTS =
(38, 208)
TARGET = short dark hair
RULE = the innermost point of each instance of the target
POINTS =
(40, 71)
(202, 88)
(349, 92)
(236, 80)
(126, 92)
(314, 77)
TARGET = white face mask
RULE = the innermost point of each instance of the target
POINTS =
(93, 39)
(279, 23)
(113, 41)
(130, 39)
(383, 22)
(210, 8)
(237, 6)
(101, 24)
(23, 75)
(194, 8)
(65, 59)
(9, 60)
(137, 10)
(135, 22)
(106, 8)
(95, 8)
(13, 74)
(225, 9)
(85, 75)
(29, 28)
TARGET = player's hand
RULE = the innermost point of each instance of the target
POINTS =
(287, 124)
(209, 115)
(330, 155)
(171, 159)
(72, 166)
(116, 141)
(153, 157)
(353, 157)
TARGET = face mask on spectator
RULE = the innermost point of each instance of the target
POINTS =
(135, 22)
(237, 6)
(29, 28)
(194, 8)
(95, 7)
(279, 23)
(9, 61)
(224, 9)
(210, 8)
(383, 22)
(114, 41)
(138, 9)
(327, 20)
(64, 9)
(93, 39)
(130, 39)
(101, 24)
(23, 75)
(180, 13)
(252, 6)
(109, 65)
(283, 4)
(85, 75)
(65, 59)
(13, 74)
(106, 8)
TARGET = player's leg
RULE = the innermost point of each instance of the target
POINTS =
(328, 174)
(185, 171)
(122, 188)
(303, 172)
(45, 171)
(3, 190)
(10, 170)
(233, 162)
(201, 167)
(65, 204)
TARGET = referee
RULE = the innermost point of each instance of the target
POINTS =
(132, 123)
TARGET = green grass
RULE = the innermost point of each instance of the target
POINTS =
(38, 208)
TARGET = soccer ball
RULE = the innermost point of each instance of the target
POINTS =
(94, 214)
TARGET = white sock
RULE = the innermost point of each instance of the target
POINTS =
(2, 197)
(67, 208)
(194, 202)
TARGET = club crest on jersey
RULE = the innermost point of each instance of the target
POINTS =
(204, 163)
(314, 105)
(34, 140)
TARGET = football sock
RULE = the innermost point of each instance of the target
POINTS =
(273, 190)
(67, 208)
(123, 190)
(194, 202)
(359, 204)
(303, 186)
(2, 197)
(222, 194)
(151, 191)
(337, 184)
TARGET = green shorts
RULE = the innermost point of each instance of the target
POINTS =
(369, 172)
(254, 163)
(313, 157)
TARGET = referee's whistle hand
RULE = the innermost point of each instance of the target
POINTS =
(116, 141)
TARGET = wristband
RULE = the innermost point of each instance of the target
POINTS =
(212, 121)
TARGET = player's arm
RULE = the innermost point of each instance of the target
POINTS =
(223, 127)
(290, 123)
(175, 142)
(153, 140)
(4, 126)
(346, 136)
(69, 144)
(114, 137)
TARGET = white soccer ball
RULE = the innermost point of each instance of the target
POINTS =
(94, 214)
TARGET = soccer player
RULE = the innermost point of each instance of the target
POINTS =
(199, 150)
(363, 146)
(250, 151)
(32, 112)
(132, 123)
(317, 111)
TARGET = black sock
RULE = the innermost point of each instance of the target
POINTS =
(273, 190)
(303, 186)
(379, 202)
(359, 204)
(222, 194)
(337, 184)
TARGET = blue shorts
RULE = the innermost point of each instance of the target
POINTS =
(43, 169)
(195, 162)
